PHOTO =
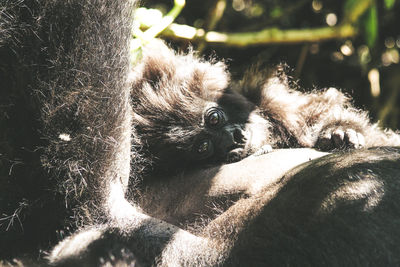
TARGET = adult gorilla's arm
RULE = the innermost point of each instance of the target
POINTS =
(133, 237)
(339, 209)
(206, 189)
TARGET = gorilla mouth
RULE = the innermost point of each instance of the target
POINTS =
(236, 146)
(236, 153)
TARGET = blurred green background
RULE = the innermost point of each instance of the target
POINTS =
(353, 45)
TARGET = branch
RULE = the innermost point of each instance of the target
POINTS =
(166, 20)
(215, 15)
(266, 36)
(346, 29)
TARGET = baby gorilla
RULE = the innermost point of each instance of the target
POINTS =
(188, 114)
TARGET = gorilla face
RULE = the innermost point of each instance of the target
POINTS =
(222, 133)
(225, 130)
(232, 129)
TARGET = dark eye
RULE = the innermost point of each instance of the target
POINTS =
(204, 149)
(215, 117)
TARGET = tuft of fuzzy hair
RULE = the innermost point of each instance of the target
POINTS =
(308, 117)
(170, 92)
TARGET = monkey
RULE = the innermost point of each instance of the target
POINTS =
(68, 136)
(197, 116)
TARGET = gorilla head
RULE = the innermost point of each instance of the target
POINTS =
(186, 113)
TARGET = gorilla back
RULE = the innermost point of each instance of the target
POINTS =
(62, 76)
(338, 210)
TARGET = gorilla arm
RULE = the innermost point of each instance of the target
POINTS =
(339, 209)
(163, 198)
(148, 239)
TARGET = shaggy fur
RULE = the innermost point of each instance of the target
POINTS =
(65, 151)
(182, 88)
(64, 116)
(66, 138)
(323, 118)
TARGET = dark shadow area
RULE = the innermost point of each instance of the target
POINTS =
(339, 210)
(31, 209)
(132, 247)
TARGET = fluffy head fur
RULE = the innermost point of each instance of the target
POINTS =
(171, 96)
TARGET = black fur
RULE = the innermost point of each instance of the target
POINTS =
(65, 153)
(63, 100)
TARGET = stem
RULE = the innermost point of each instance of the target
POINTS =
(263, 37)
(214, 17)
(346, 29)
(156, 29)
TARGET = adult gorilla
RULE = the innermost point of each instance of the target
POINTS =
(65, 156)
(338, 209)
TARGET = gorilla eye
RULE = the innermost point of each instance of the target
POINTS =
(203, 147)
(215, 117)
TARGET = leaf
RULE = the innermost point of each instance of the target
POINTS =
(389, 3)
(371, 26)
(354, 9)
(276, 12)
(349, 6)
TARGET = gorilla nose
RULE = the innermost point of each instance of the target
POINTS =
(238, 136)
(234, 137)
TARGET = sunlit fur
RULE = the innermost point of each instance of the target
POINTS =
(310, 118)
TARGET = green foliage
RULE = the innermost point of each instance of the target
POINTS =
(157, 22)
(371, 25)
(276, 12)
(348, 7)
(389, 4)
(354, 9)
